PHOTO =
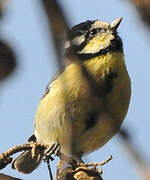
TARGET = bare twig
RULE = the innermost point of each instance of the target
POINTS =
(95, 164)
(76, 170)
(6, 177)
(58, 24)
(5, 158)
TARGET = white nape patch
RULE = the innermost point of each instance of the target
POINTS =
(67, 44)
(78, 40)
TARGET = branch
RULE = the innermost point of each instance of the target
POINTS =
(143, 8)
(5, 158)
(77, 171)
(73, 171)
(6, 177)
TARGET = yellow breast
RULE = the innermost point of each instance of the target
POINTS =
(117, 100)
(62, 113)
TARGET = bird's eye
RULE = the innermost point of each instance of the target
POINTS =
(93, 32)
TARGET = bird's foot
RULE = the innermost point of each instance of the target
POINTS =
(52, 149)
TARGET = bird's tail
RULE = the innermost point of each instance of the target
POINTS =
(25, 163)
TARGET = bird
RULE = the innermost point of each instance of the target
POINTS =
(85, 104)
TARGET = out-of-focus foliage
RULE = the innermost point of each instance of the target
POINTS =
(143, 7)
(7, 57)
(7, 60)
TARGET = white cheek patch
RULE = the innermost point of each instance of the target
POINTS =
(76, 41)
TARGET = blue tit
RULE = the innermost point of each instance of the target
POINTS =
(69, 114)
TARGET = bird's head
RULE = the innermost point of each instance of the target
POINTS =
(93, 38)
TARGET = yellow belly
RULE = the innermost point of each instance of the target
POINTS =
(62, 113)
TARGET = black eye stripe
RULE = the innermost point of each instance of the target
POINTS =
(93, 32)
(80, 29)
